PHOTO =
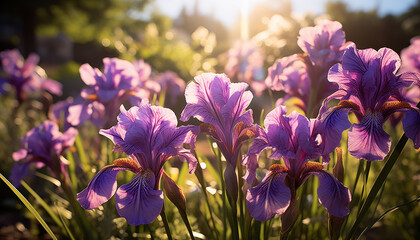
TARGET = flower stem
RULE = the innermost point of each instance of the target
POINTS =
(165, 223)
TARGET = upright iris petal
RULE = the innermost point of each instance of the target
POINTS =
(296, 139)
(150, 136)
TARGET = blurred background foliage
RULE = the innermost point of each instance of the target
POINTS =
(68, 33)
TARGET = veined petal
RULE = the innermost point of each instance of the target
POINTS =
(330, 126)
(368, 140)
(279, 132)
(270, 197)
(138, 202)
(332, 194)
(102, 187)
(235, 107)
(411, 125)
(200, 98)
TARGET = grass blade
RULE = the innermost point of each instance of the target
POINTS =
(69, 234)
(42, 203)
(29, 206)
(386, 213)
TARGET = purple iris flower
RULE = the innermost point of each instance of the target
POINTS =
(106, 91)
(325, 43)
(410, 62)
(289, 75)
(25, 76)
(304, 76)
(245, 63)
(297, 140)
(410, 56)
(221, 106)
(171, 84)
(43, 146)
(369, 87)
(150, 136)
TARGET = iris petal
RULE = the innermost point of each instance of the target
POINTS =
(368, 140)
(332, 194)
(102, 187)
(411, 125)
(137, 201)
(270, 197)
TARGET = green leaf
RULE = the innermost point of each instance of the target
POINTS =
(42, 203)
(378, 184)
(386, 213)
(29, 206)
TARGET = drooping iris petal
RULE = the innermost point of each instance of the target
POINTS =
(411, 125)
(368, 140)
(332, 194)
(271, 197)
(138, 202)
(330, 126)
(102, 187)
(19, 171)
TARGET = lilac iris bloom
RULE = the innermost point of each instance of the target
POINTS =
(325, 43)
(25, 76)
(297, 140)
(369, 87)
(221, 106)
(43, 146)
(305, 75)
(150, 136)
(245, 63)
(410, 57)
(410, 62)
(106, 91)
(289, 75)
(171, 84)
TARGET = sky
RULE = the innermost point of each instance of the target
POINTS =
(227, 11)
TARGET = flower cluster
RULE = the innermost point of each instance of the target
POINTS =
(367, 83)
